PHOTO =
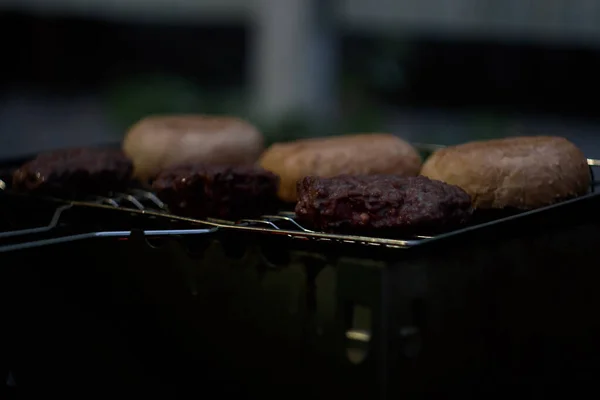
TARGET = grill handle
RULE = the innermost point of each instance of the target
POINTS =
(593, 163)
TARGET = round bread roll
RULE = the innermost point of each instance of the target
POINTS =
(520, 172)
(362, 154)
(158, 142)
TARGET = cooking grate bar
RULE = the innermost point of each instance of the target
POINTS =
(135, 197)
(288, 217)
(149, 196)
(146, 204)
(283, 223)
(53, 223)
(272, 220)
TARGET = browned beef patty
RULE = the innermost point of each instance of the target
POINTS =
(217, 191)
(75, 171)
(382, 202)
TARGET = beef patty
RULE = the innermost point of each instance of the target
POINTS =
(75, 171)
(381, 202)
(218, 191)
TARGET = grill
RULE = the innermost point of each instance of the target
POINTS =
(147, 206)
(266, 307)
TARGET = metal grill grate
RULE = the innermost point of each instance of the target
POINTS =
(284, 223)
(140, 203)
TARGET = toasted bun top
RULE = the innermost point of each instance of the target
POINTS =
(519, 172)
(360, 154)
(158, 142)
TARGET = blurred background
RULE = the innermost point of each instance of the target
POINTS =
(79, 72)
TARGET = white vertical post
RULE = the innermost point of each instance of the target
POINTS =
(293, 67)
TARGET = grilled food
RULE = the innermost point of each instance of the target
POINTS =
(224, 192)
(364, 154)
(70, 172)
(519, 173)
(381, 202)
(160, 142)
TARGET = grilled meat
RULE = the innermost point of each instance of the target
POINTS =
(224, 192)
(381, 202)
(70, 172)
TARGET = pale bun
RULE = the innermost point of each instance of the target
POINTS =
(157, 142)
(360, 154)
(520, 172)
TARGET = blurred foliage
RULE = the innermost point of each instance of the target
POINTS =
(489, 125)
(296, 126)
(359, 110)
(288, 128)
(386, 67)
(131, 99)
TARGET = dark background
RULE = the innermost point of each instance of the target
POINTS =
(73, 80)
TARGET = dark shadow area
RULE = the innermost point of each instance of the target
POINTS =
(511, 76)
(66, 55)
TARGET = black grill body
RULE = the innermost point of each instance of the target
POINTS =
(500, 309)
(110, 301)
